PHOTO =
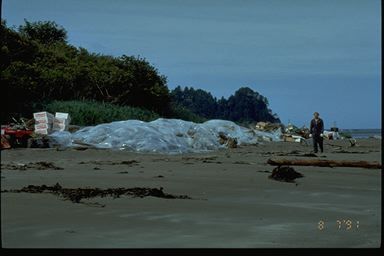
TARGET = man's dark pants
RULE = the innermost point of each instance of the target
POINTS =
(317, 139)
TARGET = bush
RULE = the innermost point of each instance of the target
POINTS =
(92, 113)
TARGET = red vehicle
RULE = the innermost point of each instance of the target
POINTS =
(13, 136)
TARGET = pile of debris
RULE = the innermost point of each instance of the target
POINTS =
(16, 133)
(34, 133)
(267, 126)
(227, 141)
(295, 134)
(266, 129)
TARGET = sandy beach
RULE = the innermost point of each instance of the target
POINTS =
(234, 204)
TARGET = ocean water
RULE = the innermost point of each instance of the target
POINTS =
(362, 133)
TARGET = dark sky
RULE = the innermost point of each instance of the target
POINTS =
(303, 55)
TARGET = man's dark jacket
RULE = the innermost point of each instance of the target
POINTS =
(317, 128)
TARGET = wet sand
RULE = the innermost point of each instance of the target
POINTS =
(234, 204)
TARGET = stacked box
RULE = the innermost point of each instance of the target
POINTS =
(40, 126)
(43, 122)
(43, 131)
(61, 121)
(43, 117)
(61, 115)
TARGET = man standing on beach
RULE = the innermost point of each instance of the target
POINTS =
(316, 131)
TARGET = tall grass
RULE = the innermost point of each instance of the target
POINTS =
(91, 112)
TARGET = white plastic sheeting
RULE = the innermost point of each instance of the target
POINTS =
(171, 136)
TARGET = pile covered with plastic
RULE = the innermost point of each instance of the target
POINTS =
(170, 136)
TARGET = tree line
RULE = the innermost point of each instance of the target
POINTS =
(245, 106)
(38, 66)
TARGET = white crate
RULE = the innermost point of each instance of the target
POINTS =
(43, 126)
(42, 115)
(62, 115)
(42, 131)
(61, 121)
(44, 121)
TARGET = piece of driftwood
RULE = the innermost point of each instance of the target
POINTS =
(324, 163)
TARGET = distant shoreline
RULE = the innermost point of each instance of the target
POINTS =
(362, 133)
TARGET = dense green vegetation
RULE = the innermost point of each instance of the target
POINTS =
(245, 106)
(38, 65)
(38, 69)
(92, 112)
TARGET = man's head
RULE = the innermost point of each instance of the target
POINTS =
(316, 115)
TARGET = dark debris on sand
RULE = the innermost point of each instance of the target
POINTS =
(352, 152)
(285, 173)
(35, 166)
(77, 194)
(127, 162)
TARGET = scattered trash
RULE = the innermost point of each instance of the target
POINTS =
(295, 134)
(352, 142)
(227, 141)
(285, 173)
(294, 130)
(232, 143)
(77, 194)
(267, 126)
(4, 142)
(15, 135)
(293, 138)
(331, 135)
(38, 141)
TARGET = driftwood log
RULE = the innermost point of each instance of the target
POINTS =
(324, 163)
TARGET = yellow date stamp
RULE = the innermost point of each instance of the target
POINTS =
(340, 224)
